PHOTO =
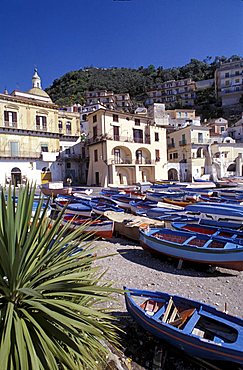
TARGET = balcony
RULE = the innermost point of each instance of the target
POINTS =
(171, 145)
(41, 128)
(10, 124)
(182, 142)
(70, 156)
(130, 161)
(23, 154)
(123, 139)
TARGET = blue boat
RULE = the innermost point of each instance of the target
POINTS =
(216, 211)
(101, 205)
(194, 327)
(236, 235)
(195, 247)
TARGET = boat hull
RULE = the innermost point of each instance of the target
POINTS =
(229, 259)
(193, 345)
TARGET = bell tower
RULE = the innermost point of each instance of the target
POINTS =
(36, 81)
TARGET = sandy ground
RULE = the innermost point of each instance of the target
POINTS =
(134, 267)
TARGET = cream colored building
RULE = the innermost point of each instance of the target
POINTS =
(201, 150)
(188, 156)
(229, 82)
(173, 92)
(109, 99)
(125, 149)
(31, 134)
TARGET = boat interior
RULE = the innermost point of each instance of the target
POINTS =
(192, 240)
(194, 321)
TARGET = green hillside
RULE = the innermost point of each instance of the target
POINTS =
(71, 87)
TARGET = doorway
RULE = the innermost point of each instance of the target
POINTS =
(16, 176)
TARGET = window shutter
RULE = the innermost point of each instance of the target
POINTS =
(14, 115)
(6, 116)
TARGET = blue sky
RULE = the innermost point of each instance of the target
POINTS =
(58, 36)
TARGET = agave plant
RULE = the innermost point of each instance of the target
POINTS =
(51, 295)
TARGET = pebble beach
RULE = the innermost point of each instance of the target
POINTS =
(134, 267)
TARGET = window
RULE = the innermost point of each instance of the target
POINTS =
(96, 155)
(68, 127)
(115, 118)
(227, 83)
(175, 155)
(138, 136)
(117, 155)
(200, 137)
(221, 128)
(14, 148)
(95, 132)
(157, 155)
(60, 126)
(171, 156)
(10, 119)
(237, 80)
(137, 122)
(237, 73)
(94, 118)
(226, 75)
(68, 165)
(44, 147)
(116, 134)
(68, 151)
(139, 157)
(156, 136)
(41, 123)
(183, 139)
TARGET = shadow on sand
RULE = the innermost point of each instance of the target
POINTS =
(169, 265)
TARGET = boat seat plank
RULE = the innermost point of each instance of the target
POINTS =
(184, 316)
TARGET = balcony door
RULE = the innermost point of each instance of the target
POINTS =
(117, 155)
(138, 136)
(116, 133)
(139, 158)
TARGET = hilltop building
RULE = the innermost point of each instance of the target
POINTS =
(109, 99)
(36, 138)
(229, 82)
(173, 92)
(236, 131)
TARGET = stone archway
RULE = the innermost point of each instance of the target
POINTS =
(173, 174)
(16, 176)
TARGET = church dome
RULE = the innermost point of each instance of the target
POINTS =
(38, 91)
(36, 86)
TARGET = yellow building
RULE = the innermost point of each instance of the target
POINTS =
(125, 149)
(31, 131)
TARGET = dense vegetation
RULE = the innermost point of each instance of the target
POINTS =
(71, 87)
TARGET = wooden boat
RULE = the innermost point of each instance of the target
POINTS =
(123, 201)
(216, 211)
(194, 327)
(98, 227)
(52, 191)
(100, 205)
(76, 209)
(191, 246)
(181, 202)
(128, 225)
(236, 235)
